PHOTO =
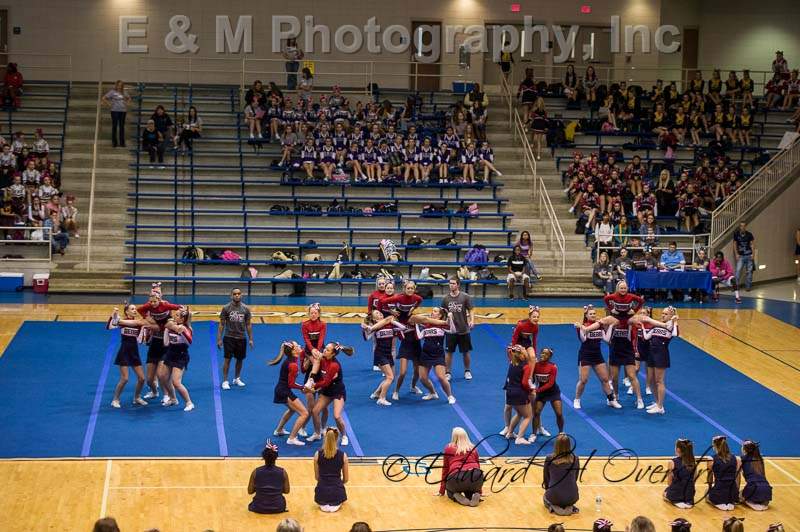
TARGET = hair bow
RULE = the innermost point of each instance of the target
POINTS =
(156, 290)
(775, 527)
(533, 308)
(271, 446)
(587, 308)
(603, 523)
(314, 306)
(757, 444)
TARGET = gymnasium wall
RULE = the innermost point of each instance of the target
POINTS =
(773, 229)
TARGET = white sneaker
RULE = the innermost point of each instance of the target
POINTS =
(429, 396)
(139, 401)
(543, 432)
(151, 395)
(504, 431)
(651, 405)
(416, 390)
(165, 400)
(295, 441)
(629, 391)
(345, 440)
(395, 396)
(576, 404)
(189, 407)
(447, 376)
(627, 382)
(252, 136)
(383, 402)
(532, 438)
(373, 395)
(655, 410)
(571, 210)
(649, 392)
(239, 383)
(683, 505)
(115, 404)
(314, 437)
(174, 402)
(375, 368)
(451, 399)
(225, 385)
(613, 403)
(282, 432)
(302, 432)
(468, 375)
(640, 405)
(521, 441)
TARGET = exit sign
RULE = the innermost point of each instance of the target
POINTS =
(586, 9)
(515, 8)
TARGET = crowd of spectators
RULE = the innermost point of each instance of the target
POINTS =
(31, 193)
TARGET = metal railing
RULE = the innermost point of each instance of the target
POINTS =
(12, 246)
(738, 205)
(539, 194)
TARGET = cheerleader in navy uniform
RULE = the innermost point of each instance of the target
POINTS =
(177, 338)
(486, 161)
(452, 141)
(431, 330)
(327, 158)
(426, 159)
(284, 392)
(313, 331)
(643, 351)
(274, 117)
(723, 471)
(308, 156)
(757, 492)
(681, 476)
(156, 311)
(130, 330)
(411, 161)
(353, 162)
(384, 160)
(468, 161)
(384, 330)
(410, 349)
(369, 158)
(546, 391)
(397, 156)
(328, 379)
(518, 387)
(659, 335)
(590, 356)
(443, 162)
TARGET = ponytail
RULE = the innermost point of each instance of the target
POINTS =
(330, 442)
(285, 351)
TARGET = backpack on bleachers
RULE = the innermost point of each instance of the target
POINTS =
(387, 251)
(448, 241)
(345, 254)
(476, 255)
(193, 253)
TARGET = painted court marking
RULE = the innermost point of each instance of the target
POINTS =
(222, 440)
(98, 397)
(106, 487)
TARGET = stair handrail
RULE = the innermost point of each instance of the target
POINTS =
(537, 185)
(90, 223)
(737, 205)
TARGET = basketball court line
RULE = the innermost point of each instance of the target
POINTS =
(222, 439)
(98, 397)
(106, 487)
(352, 435)
(763, 352)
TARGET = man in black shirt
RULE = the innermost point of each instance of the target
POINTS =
(516, 273)
(744, 251)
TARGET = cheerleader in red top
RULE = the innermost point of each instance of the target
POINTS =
(284, 394)
(622, 304)
(177, 338)
(156, 311)
(405, 304)
(328, 379)
(590, 333)
(518, 389)
(384, 331)
(659, 335)
(525, 335)
(313, 330)
(546, 391)
(374, 299)
(462, 478)
(130, 330)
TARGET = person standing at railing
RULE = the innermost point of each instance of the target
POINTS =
(12, 86)
(744, 251)
(526, 93)
(117, 100)
(293, 54)
(506, 59)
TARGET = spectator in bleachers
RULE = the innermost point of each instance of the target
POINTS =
(305, 88)
(665, 193)
(733, 87)
(792, 91)
(679, 123)
(41, 148)
(293, 54)
(153, 142)
(672, 259)
(560, 480)
(525, 245)
(257, 90)
(268, 484)
(289, 525)
(774, 91)
(526, 93)
(622, 232)
(538, 123)
(36, 212)
(602, 273)
(603, 232)
(744, 125)
(12, 86)
(622, 264)
(590, 85)
(190, 129)
(688, 205)
(779, 64)
(571, 84)
(476, 95)
(253, 114)
(60, 237)
(714, 95)
(54, 172)
(516, 273)
(288, 143)
(163, 123)
(68, 214)
(645, 204)
(117, 100)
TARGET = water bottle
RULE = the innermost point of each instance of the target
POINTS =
(598, 503)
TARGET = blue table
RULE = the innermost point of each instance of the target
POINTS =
(654, 279)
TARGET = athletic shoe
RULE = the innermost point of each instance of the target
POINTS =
(151, 395)
(532, 438)
(174, 402)
(282, 432)
(682, 505)
(314, 437)
(373, 395)
(345, 440)
(656, 411)
(383, 402)
(238, 382)
(395, 396)
(627, 382)
(640, 405)
(225, 385)
(468, 375)
(738, 299)
(613, 403)
(115, 404)
(576, 404)
(416, 390)
(543, 432)
(140, 401)
(648, 391)
(375, 368)
(188, 408)
(429, 396)
(504, 431)
(629, 391)
(651, 405)
(302, 432)
(451, 399)
(521, 441)
(447, 376)
(294, 441)
(165, 400)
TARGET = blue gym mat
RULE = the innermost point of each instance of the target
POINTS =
(58, 380)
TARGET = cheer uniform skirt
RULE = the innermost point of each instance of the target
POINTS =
(552, 394)
(410, 348)
(128, 354)
(283, 394)
(177, 356)
(156, 350)
(621, 353)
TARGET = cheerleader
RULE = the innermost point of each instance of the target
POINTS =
(486, 161)
(377, 295)
(353, 162)
(327, 158)
(284, 393)
(591, 333)
(410, 349)
(518, 387)
(539, 125)
(620, 338)
(384, 160)
(369, 159)
(443, 162)
(526, 332)
(745, 124)
(177, 338)
(680, 478)
(723, 471)
(432, 330)
(747, 85)
(622, 304)
(643, 353)
(410, 161)
(313, 331)
(384, 330)
(130, 329)
(156, 311)
(397, 155)
(327, 378)
(287, 144)
(452, 141)
(546, 391)
(426, 159)
(468, 161)
(659, 335)
(757, 492)
(308, 156)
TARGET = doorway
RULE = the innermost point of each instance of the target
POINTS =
(425, 76)
(689, 47)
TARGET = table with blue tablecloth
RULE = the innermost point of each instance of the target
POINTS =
(670, 280)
